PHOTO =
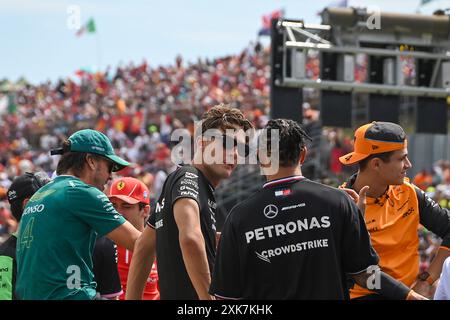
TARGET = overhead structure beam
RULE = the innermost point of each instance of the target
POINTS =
(342, 34)
(366, 87)
(370, 51)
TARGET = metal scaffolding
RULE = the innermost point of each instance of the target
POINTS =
(345, 32)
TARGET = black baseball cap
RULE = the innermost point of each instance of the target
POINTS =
(22, 187)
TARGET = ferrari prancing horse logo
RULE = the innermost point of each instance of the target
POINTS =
(120, 185)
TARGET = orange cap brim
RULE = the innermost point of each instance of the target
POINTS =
(352, 158)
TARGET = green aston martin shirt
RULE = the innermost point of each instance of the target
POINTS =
(56, 240)
(8, 268)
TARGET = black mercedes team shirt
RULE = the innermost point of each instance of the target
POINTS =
(293, 239)
(185, 182)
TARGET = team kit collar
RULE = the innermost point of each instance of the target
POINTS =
(380, 200)
(282, 181)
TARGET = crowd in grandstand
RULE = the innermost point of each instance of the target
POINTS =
(138, 107)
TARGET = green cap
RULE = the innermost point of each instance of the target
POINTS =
(92, 141)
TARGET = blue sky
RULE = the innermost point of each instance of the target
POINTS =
(36, 42)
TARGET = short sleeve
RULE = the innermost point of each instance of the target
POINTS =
(225, 281)
(358, 253)
(94, 208)
(443, 289)
(186, 186)
(151, 222)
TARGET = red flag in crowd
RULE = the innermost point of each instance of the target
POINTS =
(267, 20)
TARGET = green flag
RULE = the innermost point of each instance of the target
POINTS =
(90, 27)
(12, 107)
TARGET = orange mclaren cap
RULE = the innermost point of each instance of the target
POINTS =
(373, 138)
(130, 190)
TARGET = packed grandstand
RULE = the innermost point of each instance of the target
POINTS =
(138, 107)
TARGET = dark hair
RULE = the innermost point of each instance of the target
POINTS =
(224, 117)
(69, 160)
(385, 157)
(292, 140)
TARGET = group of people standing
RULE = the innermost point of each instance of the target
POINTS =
(292, 239)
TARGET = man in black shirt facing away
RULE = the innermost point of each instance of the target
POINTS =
(183, 221)
(295, 238)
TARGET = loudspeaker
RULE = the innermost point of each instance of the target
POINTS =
(336, 109)
(276, 50)
(431, 115)
(384, 108)
(328, 66)
(286, 103)
(424, 72)
(376, 66)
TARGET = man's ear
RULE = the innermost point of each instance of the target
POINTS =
(24, 202)
(375, 163)
(90, 162)
(145, 212)
(200, 143)
(303, 153)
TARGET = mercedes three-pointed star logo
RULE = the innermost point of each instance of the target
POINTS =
(271, 211)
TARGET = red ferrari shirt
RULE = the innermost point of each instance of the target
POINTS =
(151, 290)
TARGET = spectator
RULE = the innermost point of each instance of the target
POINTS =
(57, 235)
(131, 198)
(182, 227)
(395, 208)
(19, 193)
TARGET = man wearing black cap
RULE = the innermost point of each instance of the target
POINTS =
(19, 193)
(394, 207)
(62, 220)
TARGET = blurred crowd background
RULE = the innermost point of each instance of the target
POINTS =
(139, 106)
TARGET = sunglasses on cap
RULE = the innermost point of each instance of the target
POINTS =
(108, 161)
(110, 164)
(229, 143)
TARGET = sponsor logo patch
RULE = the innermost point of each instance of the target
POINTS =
(191, 175)
(191, 182)
(295, 206)
(291, 249)
(120, 185)
(271, 211)
(282, 193)
(12, 194)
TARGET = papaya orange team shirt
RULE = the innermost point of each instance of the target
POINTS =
(392, 221)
